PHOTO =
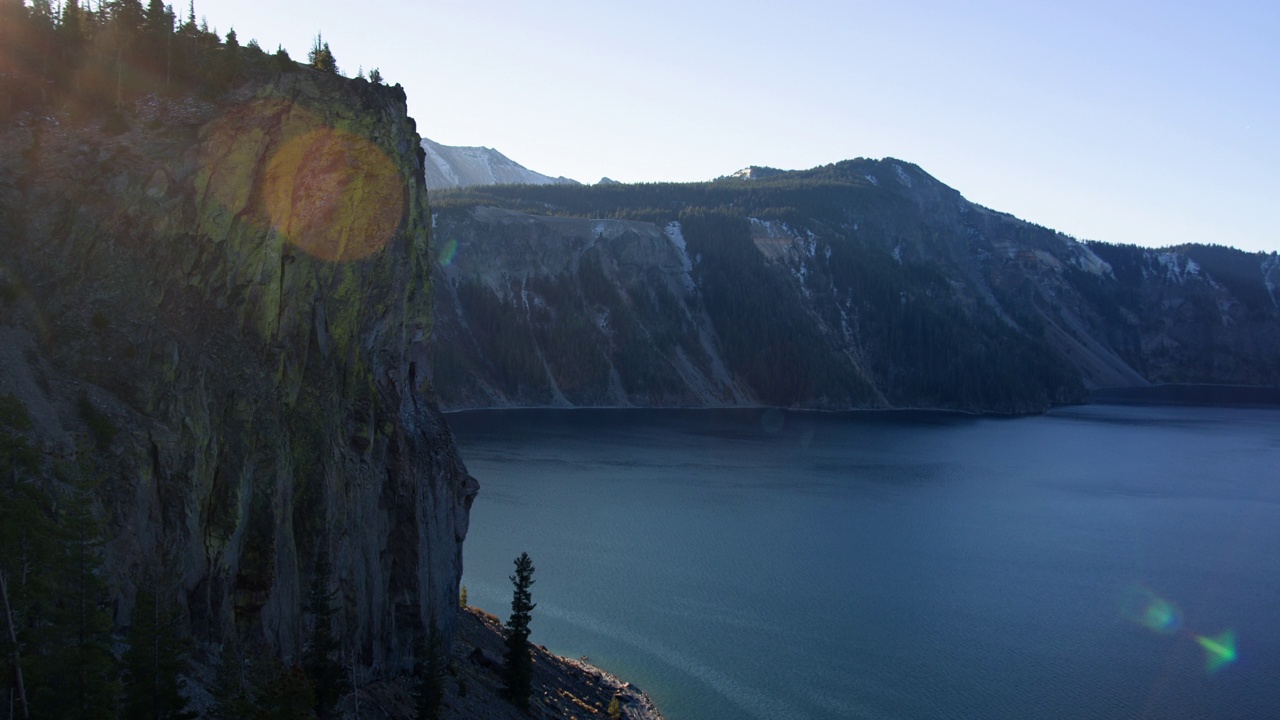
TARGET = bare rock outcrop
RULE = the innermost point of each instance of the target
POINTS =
(239, 291)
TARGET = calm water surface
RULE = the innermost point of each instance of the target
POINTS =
(760, 564)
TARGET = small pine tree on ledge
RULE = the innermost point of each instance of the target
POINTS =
(519, 660)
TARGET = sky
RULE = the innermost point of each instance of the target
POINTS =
(1131, 122)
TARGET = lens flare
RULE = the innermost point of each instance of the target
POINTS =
(447, 251)
(1151, 611)
(329, 192)
(1219, 651)
(333, 195)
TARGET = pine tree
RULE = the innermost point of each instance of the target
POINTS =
(284, 63)
(519, 660)
(288, 694)
(72, 34)
(375, 76)
(128, 15)
(233, 686)
(157, 36)
(42, 13)
(25, 544)
(228, 65)
(158, 19)
(321, 57)
(320, 656)
(79, 675)
(156, 658)
(431, 671)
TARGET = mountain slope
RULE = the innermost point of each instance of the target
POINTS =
(860, 284)
(458, 167)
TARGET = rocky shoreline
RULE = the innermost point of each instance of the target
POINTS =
(562, 687)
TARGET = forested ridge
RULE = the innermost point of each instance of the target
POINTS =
(98, 58)
(864, 283)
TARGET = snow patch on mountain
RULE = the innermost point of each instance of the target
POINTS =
(1088, 261)
(1271, 277)
(1177, 267)
(903, 177)
(676, 236)
(456, 167)
(756, 172)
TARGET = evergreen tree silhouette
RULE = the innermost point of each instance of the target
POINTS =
(519, 660)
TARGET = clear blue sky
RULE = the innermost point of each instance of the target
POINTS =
(1134, 122)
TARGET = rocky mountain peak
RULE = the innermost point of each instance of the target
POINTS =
(459, 167)
(756, 172)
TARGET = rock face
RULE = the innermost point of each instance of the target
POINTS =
(238, 290)
(861, 284)
(568, 311)
(459, 167)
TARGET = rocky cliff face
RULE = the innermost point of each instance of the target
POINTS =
(861, 284)
(223, 306)
(568, 311)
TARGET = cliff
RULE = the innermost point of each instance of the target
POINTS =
(864, 284)
(221, 308)
(571, 311)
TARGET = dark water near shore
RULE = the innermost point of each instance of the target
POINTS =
(759, 564)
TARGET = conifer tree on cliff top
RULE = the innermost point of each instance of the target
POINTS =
(321, 57)
(519, 667)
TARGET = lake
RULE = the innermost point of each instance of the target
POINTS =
(1094, 562)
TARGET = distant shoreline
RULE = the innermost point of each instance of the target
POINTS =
(1188, 394)
(736, 408)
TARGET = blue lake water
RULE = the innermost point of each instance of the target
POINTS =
(762, 564)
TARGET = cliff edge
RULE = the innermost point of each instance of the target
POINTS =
(220, 309)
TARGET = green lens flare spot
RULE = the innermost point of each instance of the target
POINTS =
(1160, 616)
(447, 251)
(1151, 611)
(1220, 651)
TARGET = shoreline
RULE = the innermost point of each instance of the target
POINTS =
(562, 687)
(1175, 394)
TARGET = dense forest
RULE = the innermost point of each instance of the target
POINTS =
(96, 59)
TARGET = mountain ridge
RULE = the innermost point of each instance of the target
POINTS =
(905, 293)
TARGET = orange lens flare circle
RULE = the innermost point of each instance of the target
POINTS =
(333, 195)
